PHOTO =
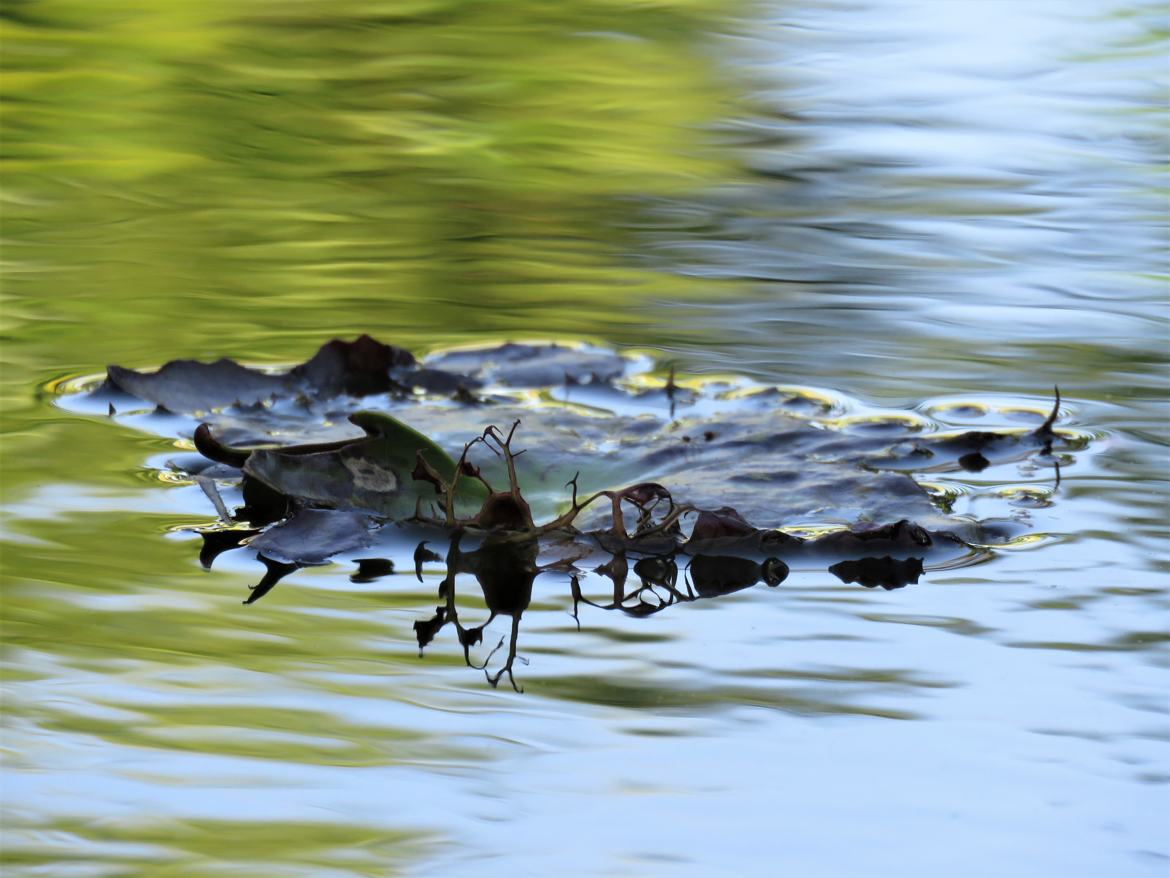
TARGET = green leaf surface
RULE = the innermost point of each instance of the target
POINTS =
(371, 473)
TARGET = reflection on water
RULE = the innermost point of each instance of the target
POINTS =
(913, 206)
(283, 165)
(506, 570)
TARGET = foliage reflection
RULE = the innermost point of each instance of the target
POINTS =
(506, 570)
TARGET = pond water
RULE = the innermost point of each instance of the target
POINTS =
(913, 208)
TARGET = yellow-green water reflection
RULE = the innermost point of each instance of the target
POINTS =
(232, 173)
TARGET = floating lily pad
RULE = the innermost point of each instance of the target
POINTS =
(190, 386)
(359, 368)
(312, 536)
(364, 426)
(527, 365)
(374, 473)
(531, 460)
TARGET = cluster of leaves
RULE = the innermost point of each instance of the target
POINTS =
(326, 494)
(305, 502)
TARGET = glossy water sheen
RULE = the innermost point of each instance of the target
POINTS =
(918, 204)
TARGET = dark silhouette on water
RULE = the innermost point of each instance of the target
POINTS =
(728, 477)
(505, 572)
(889, 573)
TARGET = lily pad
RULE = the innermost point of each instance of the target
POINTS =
(555, 460)
(359, 368)
(365, 426)
(374, 472)
(527, 365)
(312, 536)
(190, 386)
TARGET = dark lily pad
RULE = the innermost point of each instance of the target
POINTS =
(724, 482)
(373, 473)
(773, 468)
(737, 471)
(528, 365)
(312, 536)
(357, 368)
(190, 386)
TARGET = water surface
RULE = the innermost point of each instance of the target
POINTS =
(911, 205)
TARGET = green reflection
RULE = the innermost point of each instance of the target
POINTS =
(217, 847)
(100, 590)
(212, 177)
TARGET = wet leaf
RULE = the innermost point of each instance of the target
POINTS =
(190, 386)
(312, 536)
(503, 511)
(724, 523)
(527, 365)
(901, 535)
(723, 469)
(358, 368)
(374, 473)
